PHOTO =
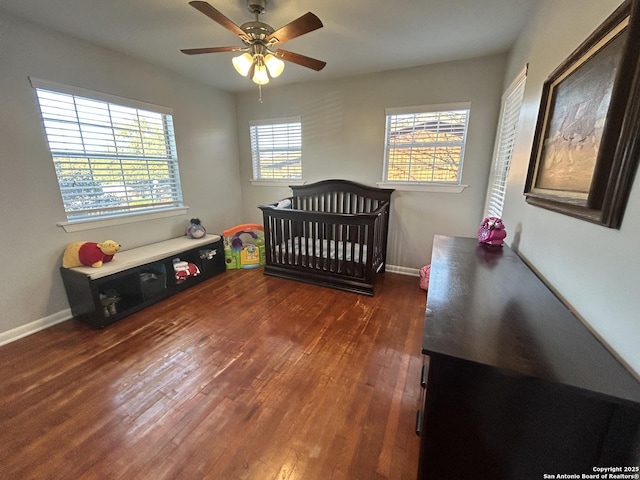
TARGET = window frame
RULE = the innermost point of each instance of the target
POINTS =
(256, 176)
(167, 161)
(429, 186)
(506, 133)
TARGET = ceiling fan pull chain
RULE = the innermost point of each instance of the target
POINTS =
(260, 96)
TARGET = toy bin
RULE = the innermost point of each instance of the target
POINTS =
(244, 246)
(153, 283)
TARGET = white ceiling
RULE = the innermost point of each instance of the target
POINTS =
(358, 36)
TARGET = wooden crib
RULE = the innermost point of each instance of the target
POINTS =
(331, 233)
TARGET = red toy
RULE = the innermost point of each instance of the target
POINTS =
(89, 253)
(184, 270)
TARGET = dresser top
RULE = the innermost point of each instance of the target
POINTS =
(486, 306)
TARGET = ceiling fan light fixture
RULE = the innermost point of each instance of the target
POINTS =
(274, 65)
(242, 63)
(260, 75)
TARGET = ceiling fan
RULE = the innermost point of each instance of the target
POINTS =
(261, 58)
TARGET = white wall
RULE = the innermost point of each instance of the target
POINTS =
(343, 124)
(594, 268)
(32, 244)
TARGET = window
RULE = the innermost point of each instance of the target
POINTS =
(426, 144)
(112, 156)
(505, 140)
(276, 149)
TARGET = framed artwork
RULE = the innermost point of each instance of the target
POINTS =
(586, 144)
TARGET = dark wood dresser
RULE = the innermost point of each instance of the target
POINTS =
(515, 386)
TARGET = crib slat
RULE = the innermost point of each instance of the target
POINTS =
(303, 244)
(293, 255)
(354, 260)
(274, 239)
(320, 235)
(291, 233)
(332, 248)
(361, 241)
(331, 228)
(281, 245)
(312, 236)
(280, 234)
(308, 241)
(343, 236)
(286, 234)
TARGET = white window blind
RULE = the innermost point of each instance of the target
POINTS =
(112, 156)
(276, 149)
(426, 144)
(505, 140)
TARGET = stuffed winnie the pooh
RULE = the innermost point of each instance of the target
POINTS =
(89, 253)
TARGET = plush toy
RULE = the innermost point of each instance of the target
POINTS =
(492, 232)
(184, 270)
(89, 253)
(195, 229)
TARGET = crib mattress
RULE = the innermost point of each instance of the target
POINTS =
(326, 249)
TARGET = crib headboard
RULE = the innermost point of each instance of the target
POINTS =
(339, 196)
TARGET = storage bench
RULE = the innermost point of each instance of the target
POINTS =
(139, 277)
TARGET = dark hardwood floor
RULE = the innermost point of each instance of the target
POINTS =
(241, 377)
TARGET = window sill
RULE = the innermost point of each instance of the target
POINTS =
(424, 187)
(276, 183)
(82, 225)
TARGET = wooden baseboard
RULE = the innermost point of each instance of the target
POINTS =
(35, 326)
(414, 272)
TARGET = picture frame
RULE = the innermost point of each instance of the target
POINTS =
(586, 144)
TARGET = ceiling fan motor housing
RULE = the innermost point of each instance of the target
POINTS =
(256, 30)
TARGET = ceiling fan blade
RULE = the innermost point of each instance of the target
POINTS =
(198, 51)
(303, 60)
(216, 16)
(304, 24)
